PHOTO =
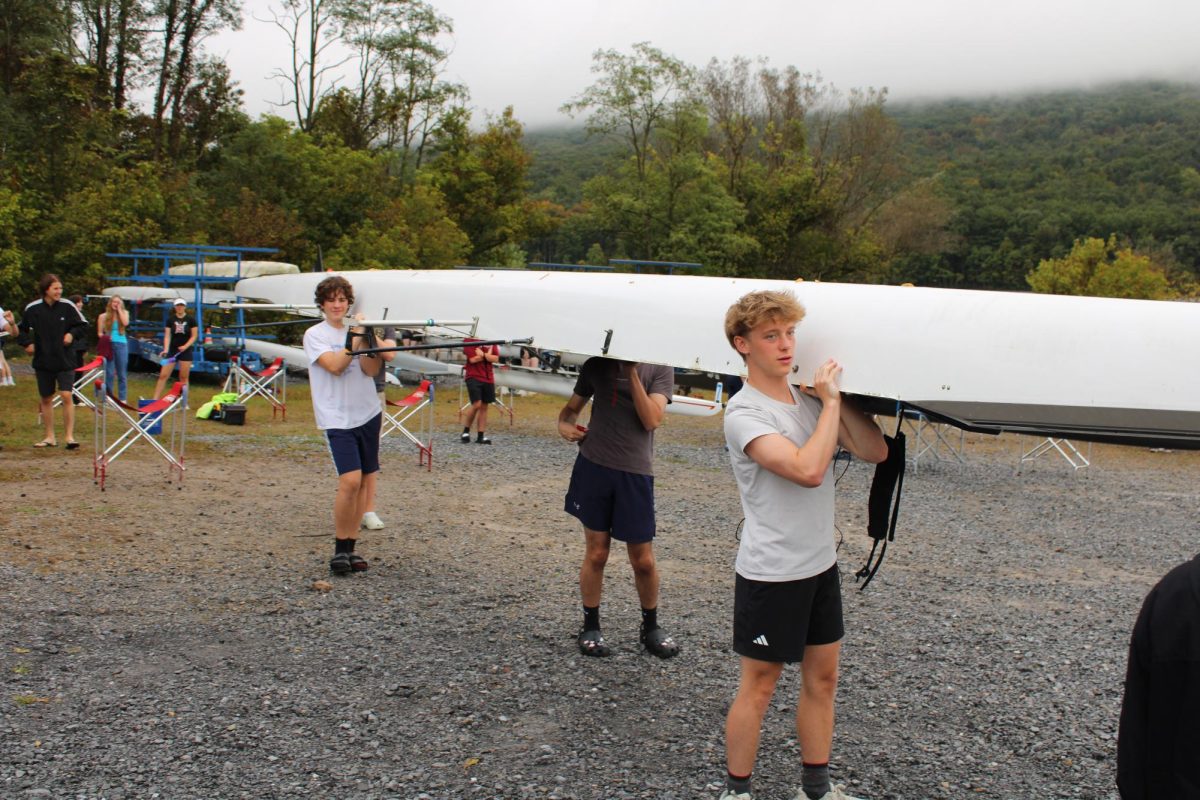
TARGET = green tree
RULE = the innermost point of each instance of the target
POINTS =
(16, 263)
(128, 209)
(1099, 268)
(328, 187)
(115, 33)
(634, 96)
(483, 179)
(413, 231)
(30, 30)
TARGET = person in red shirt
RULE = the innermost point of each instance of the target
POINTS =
(481, 389)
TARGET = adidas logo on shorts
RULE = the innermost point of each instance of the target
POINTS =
(761, 640)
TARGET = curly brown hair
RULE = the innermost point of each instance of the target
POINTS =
(331, 287)
(755, 308)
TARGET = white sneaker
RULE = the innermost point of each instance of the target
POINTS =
(371, 521)
(835, 793)
(729, 794)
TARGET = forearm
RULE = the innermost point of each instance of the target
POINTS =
(860, 435)
(649, 412)
(370, 363)
(812, 460)
(568, 416)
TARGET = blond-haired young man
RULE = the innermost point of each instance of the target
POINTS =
(787, 602)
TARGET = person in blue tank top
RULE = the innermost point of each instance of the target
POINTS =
(113, 323)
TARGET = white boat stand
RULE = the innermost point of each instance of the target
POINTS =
(931, 440)
(1064, 447)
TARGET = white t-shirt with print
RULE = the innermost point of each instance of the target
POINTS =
(789, 532)
(339, 401)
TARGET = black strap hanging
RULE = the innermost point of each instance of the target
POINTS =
(882, 510)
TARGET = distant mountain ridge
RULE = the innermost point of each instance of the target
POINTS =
(1025, 175)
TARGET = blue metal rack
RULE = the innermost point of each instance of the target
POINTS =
(164, 256)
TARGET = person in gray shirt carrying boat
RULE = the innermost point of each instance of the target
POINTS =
(612, 486)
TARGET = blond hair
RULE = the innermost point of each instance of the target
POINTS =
(755, 308)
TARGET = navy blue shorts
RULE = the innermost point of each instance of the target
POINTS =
(773, 621)
(612, 501)
(355, 448)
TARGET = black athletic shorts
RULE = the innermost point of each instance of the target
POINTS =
(185, 355)
(50, 382)
(478, 390)
(774, 621)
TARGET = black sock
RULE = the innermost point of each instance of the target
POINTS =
(650, 618)
(480, 439)
(343, 546)
(350, 546)
(814, 779)
(738, 784)
(591, 618)
(467, 430)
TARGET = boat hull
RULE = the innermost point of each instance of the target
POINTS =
(1089, 368)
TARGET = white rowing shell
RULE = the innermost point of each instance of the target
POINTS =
(142, 294)
(1085, 367)
(229, 269)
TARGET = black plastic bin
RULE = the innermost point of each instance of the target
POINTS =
(233, 414)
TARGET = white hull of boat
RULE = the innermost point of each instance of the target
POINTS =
(144, 294)
(229, 269)
(1083, 367)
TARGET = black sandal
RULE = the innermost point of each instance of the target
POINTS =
(591, 643)
(659, 643)
(72, 445)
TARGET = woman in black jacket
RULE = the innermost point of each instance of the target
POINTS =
(48, 329)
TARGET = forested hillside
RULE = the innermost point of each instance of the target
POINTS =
(1027, 176)
(1014, 180)
(744, 167)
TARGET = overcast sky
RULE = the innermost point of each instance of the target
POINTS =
(537, 54)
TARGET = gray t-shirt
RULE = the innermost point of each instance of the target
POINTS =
(616, 437)
(381, 378)
(788, 533)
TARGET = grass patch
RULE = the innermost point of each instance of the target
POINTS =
(534, 415)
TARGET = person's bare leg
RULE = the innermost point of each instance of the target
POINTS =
(346, 516)
(46, 409)
(481, 419)
(185, 369)
(743, 723)
(591, 573)
(68, 415)
(814, 710)
(163, 374)
(366, 495)
(645, 572)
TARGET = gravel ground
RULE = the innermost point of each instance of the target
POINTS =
(169, 643)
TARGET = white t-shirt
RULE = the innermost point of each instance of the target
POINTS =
(3, 321)
(789, 532)
(339, 401)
